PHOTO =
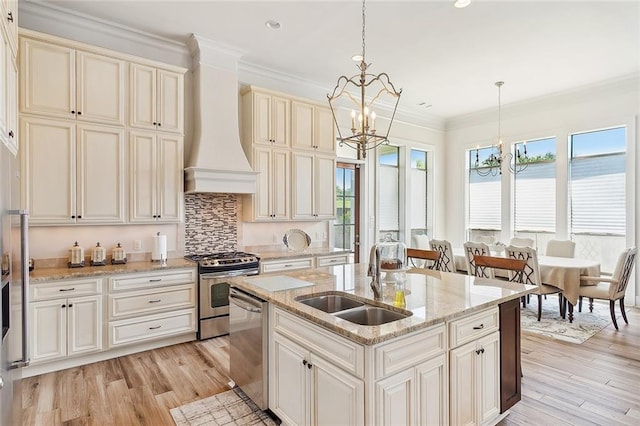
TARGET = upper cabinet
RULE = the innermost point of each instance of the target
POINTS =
(68, 83)
(8, 77)
(9, 12)
(312, 128)
(266, 119)
(156, 99)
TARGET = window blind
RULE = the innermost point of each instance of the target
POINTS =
(535, 198)
(418, 199)
(485, 200)
(389, 198)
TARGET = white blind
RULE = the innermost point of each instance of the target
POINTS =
(484, 201)
(418, 199)
(598, 194)
(535, 198)
(389, 198)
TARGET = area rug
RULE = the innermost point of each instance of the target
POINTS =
(584, 325)
(232, 407)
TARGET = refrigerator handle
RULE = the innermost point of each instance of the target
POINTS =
(24, 266)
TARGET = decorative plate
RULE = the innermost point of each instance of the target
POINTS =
(296, 239)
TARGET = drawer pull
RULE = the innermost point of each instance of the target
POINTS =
(479, 327)
(155, 301)
(155, 280)
(155, 328)
(68, 289)
(289, 265)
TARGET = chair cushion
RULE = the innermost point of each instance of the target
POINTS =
(600, 291)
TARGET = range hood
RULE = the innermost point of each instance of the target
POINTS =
(217, 162)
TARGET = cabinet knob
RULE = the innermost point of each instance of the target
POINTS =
(309, 365)
(154, 216)
(159, 124)
(304, 362)
(10, 17)
(73, 216)
(63, 306)
(79, 112)
(70, 305)
(159, 217)
(73, 112)
(11, 133)
(79, 217)
(480, 351)
(154, 123)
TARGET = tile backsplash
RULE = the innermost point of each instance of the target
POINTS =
(211, 223)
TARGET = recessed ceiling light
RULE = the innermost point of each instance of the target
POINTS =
(272, 25)
(461, 3)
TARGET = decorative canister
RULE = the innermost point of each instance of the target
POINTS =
(98, 256)
(118, 255)
(76, 256)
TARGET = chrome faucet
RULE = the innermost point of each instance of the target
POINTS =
(374, 272)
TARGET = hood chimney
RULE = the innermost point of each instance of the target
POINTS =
(217, 162)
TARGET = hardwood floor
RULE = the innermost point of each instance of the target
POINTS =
(597, 382)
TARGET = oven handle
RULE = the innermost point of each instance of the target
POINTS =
(254, 307)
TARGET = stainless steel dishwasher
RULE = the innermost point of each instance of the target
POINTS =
(248, 345)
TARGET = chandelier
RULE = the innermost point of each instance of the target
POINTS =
(493, 164)
(364, 134)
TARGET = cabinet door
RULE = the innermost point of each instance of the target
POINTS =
(142, 94)
(463, 384)
(262, 118)
(101, 84)
(10, 16)
(170, 100)
(432, 392)
(302, 125)
(49, 170)
(12, 104)
(48, 330)
(170, 197)
(337, 397)
(280, 190)
(262, 198)
(324, 187)
(303, 185)
(289, 382)
(142, 175)
(395, 399)
(4, 105)
(84, 319)
(324, 136)
(489, 377)
(48, 83)
(101, 171)
(280, 121)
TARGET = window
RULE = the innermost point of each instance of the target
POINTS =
(485, 196)
(534, 188)
(597, 182)
(418, 196)
(346, 206)
(389, 191)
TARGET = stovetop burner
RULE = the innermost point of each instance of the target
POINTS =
(225, 261)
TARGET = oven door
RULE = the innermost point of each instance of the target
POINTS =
(214, 296)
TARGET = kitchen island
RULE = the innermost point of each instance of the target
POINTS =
(454, 360)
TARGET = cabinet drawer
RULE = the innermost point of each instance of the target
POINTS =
(471, 327)
(151, 327)
(152, 279)
(332, 260)
(344, 353)
(71, 288)
(409, 351)
(286, 265)
(151, 301)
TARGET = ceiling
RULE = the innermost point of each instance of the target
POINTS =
(442, 56)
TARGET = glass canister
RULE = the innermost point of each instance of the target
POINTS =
(392, 254)
(118, 255)
(76, 256)
(98, 256)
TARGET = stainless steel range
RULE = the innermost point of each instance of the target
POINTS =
(214, 270)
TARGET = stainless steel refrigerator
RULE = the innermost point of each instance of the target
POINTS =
(14, 247)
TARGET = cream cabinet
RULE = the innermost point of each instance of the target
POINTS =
(9, 13)
(290, 264)
(272, 198)
(267, 119)
(64, 320)
(312, 128)
(156, 99)
(60, 81)
(156, 180)
(313, 192)
(72, 173)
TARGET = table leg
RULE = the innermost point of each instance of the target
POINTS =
(570, 311)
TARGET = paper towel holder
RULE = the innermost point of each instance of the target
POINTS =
(159, 250)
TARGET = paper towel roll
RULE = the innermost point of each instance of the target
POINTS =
(159, 250)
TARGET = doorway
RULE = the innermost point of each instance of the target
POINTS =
(346, 228)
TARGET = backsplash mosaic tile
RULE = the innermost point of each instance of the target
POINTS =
(211, 223)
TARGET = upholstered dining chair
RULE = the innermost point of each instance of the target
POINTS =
(560, 248)
(446, 262)
(472, 249)
(521, 242)
(531, 275)
(610, 288)
(426, 258)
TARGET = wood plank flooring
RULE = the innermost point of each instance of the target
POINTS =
(596, 383)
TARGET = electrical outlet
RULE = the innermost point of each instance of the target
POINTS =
(137, 245)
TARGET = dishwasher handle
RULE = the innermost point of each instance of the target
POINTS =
(254, 305)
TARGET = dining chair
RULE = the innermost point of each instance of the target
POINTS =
(472, 249)
(560, 248)
(487, 239)
(516, 265)
(521, 242)
(420, 241)
(531, 275)
(446, 262)
(427, 258)
(610, 288)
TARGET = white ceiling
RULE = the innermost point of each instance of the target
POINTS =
(446, 57)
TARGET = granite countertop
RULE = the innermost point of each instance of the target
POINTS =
(288, 254)
(48, 274)
(433, 297)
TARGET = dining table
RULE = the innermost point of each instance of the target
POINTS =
(561, 272)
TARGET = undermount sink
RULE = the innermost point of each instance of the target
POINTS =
(353, 310)
(371, 315)
(330, 303)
